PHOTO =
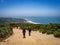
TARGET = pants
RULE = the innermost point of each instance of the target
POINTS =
(29, 33)
(23, 35)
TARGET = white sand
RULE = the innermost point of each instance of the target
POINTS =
(35, 39)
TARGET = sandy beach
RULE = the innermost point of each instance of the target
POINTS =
(35, 39)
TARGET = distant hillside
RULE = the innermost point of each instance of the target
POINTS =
(12, 20)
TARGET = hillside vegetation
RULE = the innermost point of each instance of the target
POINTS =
(5, 31)
(51, 28)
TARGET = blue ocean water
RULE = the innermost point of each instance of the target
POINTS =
(43, 20)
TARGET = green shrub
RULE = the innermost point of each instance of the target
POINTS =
(49, 32)
(5, 31)
(57, 33)
(42, 30)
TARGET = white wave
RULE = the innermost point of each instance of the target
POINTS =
(31, 22)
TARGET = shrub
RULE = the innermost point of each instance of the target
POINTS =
(57, 33)
(5, 31)
(42, 30)
(49, 32)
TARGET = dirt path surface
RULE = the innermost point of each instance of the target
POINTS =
(35, 39)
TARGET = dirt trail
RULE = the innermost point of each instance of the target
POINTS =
(35, 39)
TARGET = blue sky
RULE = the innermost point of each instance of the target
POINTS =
(30, 8)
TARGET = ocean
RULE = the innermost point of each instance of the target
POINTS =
(42, 20)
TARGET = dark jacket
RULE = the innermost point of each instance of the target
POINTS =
(29, 30)
(24, 31)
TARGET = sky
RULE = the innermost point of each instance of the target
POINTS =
(11, 8)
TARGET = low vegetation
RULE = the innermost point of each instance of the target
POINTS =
(52, 28)
(5, 31)
(57, 33)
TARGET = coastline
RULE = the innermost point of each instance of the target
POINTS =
(29, 21)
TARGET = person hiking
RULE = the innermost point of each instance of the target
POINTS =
(29, 29)
(23, 31)
(17, 26)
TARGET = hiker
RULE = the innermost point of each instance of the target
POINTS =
(29, 29)
(23, 31)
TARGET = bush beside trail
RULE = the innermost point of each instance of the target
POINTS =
(43, 28)
(51, 28)
(5, 31)
(57, 33)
